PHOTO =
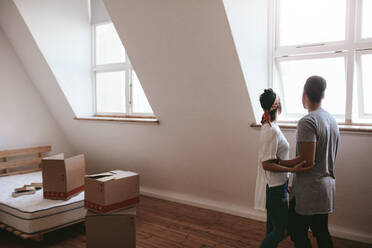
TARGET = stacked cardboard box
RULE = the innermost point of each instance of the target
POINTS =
(63, 178)
(117, 229)
(111, 191)
(111, 198)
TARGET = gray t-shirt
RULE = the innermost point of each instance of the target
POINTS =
(314, 190)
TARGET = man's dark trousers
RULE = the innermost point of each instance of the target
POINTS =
(299, 226)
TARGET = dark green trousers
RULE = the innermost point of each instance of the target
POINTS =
(277, 215)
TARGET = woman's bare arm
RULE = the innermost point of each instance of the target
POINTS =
(270, 165)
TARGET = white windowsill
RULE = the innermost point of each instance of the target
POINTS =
(343, 128)
(132, 119)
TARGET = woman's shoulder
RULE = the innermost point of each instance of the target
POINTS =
(271, 130)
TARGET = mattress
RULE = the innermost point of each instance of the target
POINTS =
(32, 213)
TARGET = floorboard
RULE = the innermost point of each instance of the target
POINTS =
(164, 224)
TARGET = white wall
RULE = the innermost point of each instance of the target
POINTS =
(62, 31)
(194, 83)
(248, 23)
(25, 119)
(203, 151)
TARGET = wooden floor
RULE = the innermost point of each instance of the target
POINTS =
(164, 224)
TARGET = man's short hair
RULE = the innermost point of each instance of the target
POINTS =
(314, 88)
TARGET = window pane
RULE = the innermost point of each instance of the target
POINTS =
(367, 82)
(315, 21)
(109, 48)
(367, 19)
(110, 88)
(140, 102)
(295, 72)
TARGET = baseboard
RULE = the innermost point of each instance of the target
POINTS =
(207, 204)
(341, 232)
(249, 213)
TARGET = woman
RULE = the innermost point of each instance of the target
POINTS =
(274, 146)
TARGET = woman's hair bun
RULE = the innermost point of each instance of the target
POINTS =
(267, 98)
(268, 91)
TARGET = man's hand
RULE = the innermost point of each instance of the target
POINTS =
(300, 167)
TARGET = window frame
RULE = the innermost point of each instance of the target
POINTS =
(353, 47)
(359, 74)
(121, 66)
(359, 5)
(306, 57)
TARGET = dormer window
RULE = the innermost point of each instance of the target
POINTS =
(117, 89)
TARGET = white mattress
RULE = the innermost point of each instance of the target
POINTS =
(32, 213)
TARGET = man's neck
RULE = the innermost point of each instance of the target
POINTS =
(313, 106)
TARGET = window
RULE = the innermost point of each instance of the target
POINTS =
(118, 91)
(332, 39)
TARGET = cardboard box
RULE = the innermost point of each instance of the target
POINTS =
(63, 178)
(117, 229)
(110, 191)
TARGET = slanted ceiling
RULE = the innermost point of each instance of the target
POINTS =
(185, 56)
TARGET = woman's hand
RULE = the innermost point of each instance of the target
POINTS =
(300, 167)
(289, 189)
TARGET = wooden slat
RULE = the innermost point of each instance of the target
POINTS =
(19, 163)
(37, 236)
(20, 172)
(5, 159)
(25, 151)
(40, 156)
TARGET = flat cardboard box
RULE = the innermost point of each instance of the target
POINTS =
(63, 178)
(117, 229)
(111, 191)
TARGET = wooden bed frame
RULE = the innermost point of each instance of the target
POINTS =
(37, 236)
(22, 164)
(25, 160)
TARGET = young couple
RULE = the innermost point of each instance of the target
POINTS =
(313, 188)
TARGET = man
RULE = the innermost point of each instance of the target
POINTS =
(313, 191)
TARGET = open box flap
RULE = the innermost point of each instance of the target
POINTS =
(59, 156)
(121, 174)
(112, 175)
(100, 175)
